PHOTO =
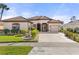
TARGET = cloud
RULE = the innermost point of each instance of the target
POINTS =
(59, 13)
(65, 19)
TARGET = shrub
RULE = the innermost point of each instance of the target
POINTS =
(14, 31)
(73, 37)
(23, 31)
(6, 31)
(76, 30)
(77, 38)
(72, 34)
(19, 35)
(34, 33)
(61, 30)
(69, 34)
(33, 28)
(70, 29)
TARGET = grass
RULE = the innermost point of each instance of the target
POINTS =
(15, 50)
(14, 39)
(10, 38)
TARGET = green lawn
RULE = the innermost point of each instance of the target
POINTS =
(10, 39)
(15, 50)
(14, 39)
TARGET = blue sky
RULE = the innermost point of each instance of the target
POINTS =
(61, 11)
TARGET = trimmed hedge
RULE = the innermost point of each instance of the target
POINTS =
(72, 35)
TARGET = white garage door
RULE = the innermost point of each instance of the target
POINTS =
(54, 28)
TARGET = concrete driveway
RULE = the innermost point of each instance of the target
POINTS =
(53, 37)
(55, 44)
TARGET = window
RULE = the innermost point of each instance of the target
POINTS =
(16, 26)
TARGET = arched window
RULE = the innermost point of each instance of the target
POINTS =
(16, 26)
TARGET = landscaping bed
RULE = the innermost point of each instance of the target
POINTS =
(15, 50)
(71, 33)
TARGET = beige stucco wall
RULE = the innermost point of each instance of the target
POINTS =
(39, 21)
(23, 25)
(52, 27)
(1, 26)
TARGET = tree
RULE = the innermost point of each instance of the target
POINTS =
(3, 7)
(73, 18)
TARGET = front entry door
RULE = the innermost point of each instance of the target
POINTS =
(44, 27)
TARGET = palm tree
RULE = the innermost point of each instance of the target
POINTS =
(3, 7)
(73, 18)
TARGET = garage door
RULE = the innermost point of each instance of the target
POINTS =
(54, 29)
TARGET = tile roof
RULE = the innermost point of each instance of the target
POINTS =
(40, 18)
(22, 19)
(55, 21)
(15, 19)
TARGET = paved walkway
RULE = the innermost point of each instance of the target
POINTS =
(55, 44)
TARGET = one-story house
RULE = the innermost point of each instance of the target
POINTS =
(41, 23)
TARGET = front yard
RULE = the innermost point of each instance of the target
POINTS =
(15, 50)
(10, 39)
(21, 36)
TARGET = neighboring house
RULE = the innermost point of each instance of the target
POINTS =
(42, 23)
(72, 24)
